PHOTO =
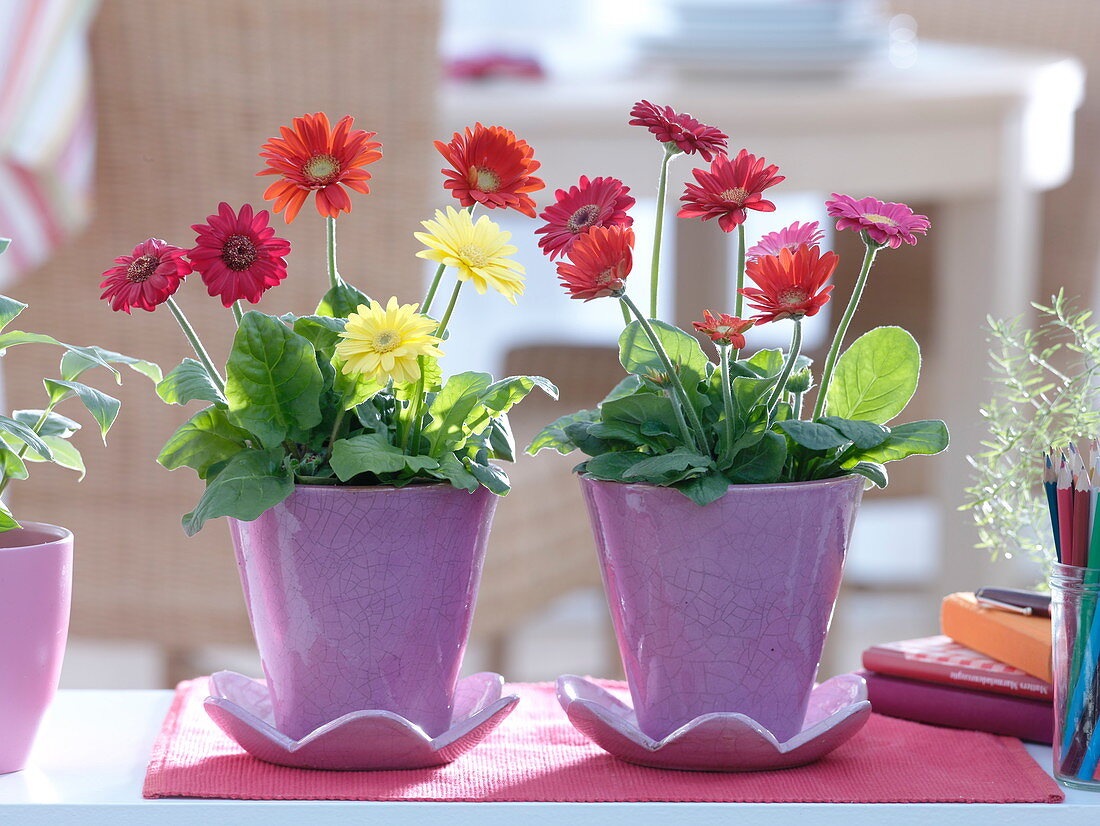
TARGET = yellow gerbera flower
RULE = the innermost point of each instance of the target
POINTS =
(478, 251)
(386, 342)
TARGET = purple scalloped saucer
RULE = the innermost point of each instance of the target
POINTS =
(360, 740)
(720, 741)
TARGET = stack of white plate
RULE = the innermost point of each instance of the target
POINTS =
(770, 36)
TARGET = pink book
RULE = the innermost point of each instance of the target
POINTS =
(940, 659)
(945, 705)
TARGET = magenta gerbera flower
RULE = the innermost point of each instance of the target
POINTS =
(886, 224)
(602, 202)
(238, 255)
(145, 278)
(681, 130)
(791, 238)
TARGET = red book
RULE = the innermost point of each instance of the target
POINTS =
(942, 660)
(945, 705)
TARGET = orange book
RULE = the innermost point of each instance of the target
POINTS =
(1016, 639)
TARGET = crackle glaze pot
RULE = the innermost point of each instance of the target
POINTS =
(36, 574)
(361, 598)
(722, 608)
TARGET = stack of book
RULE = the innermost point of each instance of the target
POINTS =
(989, 671)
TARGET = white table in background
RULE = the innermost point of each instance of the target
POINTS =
(978, 132)
(89, 765)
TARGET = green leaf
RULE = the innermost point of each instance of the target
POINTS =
(203, 441)
(323, 332)
(491, 476)
(553, 436)
(250, 483)
(876, 377)
(273, 382)
(644, 409)
(702, 490)
(502, 443)
(65, 454)
(24, 434)
(189, 381)
(638, 356)
(612, 466)
(452, 470)
(4, 244)
(813, 435)
(872, 471)
(11, 465)
(765, 363)
(54, 425)
(926, 437)
(627, 387)
(14, 337)
(341, 301)
(669, 467)
(79, 359)
(450, 408)
(104, 408)
(501, 396)
(9, 307)
(759, 463)
(7, 521)
(863, 435)
(373, 453)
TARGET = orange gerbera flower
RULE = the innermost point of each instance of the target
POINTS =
(491, 167)
(599, 262)
(790, 284)
(314, 157)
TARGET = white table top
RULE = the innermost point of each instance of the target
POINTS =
(89, 765)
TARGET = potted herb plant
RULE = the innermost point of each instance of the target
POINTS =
(360, 485)
(722, 504)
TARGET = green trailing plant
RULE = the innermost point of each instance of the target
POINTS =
(1044, 394)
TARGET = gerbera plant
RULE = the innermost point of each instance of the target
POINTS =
(682, 420)
(353, 393)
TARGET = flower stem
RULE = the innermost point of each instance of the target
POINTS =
(658, 231)
(23, 449)
(335, 432)
(330, 245)
(738, 299)
(450, 309)
(626, 313)
(842, 328)
(426, 307)
(200, 351)
(238, 314)
(792, 357)
(674, 380)
(727, 392)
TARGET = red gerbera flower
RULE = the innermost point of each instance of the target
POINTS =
(491, 167)
(599, 203)
(679, 130)
(887, 224)
(311, 156)
(599, 262)
(238, 254)
(725, 329)
(791, 284)
(146, 277)
(730, 188)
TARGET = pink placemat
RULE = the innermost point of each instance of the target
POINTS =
(536, 755)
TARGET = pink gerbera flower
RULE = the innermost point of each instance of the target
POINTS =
(681, 131)
(602, 202)
(886, 224)
(238, 254)
(791, 238)
(729, 188)
(146, 277)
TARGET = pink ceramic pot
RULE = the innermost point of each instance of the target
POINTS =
(36, 573)
(722, 608)
(361, 599)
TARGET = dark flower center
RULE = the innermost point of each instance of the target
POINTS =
(583, 218)
(142, 269)
(735, 196)
(238, 252)
(321, 170)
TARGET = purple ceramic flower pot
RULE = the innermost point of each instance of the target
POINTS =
(722, 608)
(361, 598)
(36, 574)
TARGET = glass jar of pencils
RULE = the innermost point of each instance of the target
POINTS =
(1075, 622)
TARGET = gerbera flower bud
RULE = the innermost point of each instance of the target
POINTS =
(602, 202)
(146, 277)
(883, 223)
(679, 132)
(723, 329)
(599, 262)
(801, 381)
(729, 188)
(238, 255)
(311, 157)
(790, 284)
(492, 167)
(385, 343)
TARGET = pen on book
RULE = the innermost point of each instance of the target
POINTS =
(1030, 603)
